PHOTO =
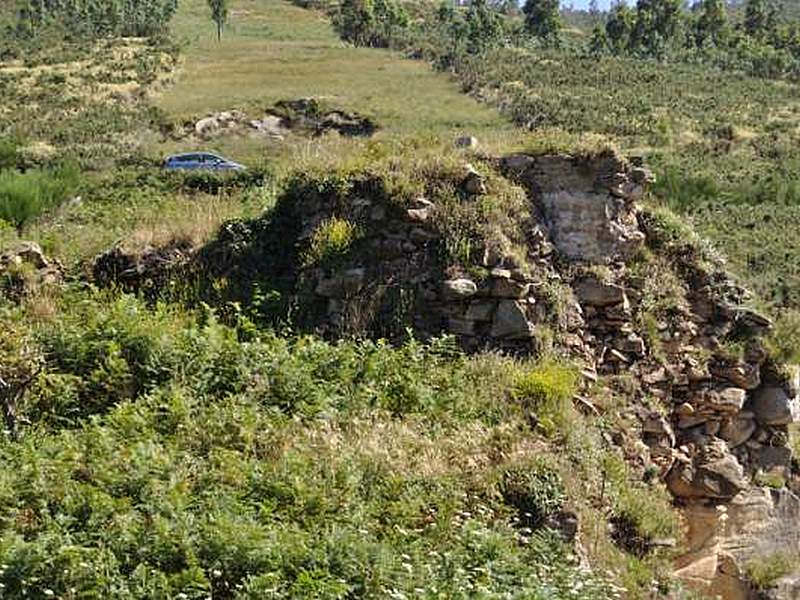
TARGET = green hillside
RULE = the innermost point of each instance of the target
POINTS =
(275, 51)
(472, 323)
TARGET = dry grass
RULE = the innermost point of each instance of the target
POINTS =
(189, 219)
(178, 218)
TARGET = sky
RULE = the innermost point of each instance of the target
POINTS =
(585, 3)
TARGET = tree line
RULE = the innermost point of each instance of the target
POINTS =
(655, 27)
(755, 37)
(138, 18)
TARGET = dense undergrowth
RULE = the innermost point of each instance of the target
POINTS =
(160, 453)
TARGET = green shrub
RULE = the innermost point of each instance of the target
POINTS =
(547, 389)
(8, 153)
(764, 572)
(682, 192)
(641, 513)
(784, 339)
(375, 23)
(535, 490)
(213, 182)
(113, 17)
(25, 196)
(330, 242)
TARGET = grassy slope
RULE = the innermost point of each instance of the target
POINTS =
(266, 467)
(727, 147)
(272, 51)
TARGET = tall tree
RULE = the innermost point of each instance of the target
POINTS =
(219, 14)
(657, 23)
(619, 27)
(542, 19)
(484, 27)
(712, 22)
(599, 43)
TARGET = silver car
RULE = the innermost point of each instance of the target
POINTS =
(201, 160)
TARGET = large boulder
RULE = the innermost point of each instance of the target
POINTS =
(772, 406)
(712, 473)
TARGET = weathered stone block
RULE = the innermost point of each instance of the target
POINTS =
(511, 321)
(458, 289)
(737, 431)
(508, 288)
(592, 292)
(772, 406)
(712, 473)
(481, 310)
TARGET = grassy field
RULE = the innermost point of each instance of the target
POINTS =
(272, 50)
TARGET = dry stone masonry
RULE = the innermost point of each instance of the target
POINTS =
(721, 409)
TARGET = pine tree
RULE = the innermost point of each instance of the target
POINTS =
(599, 44)
(484, 27)
(619, 27)
(712, 23)
(657, 24)
(542, 19)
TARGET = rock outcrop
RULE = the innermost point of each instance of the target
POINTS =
(723, 540)
(306, 115)
(25, 269)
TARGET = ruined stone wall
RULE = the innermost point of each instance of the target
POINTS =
(714, 410)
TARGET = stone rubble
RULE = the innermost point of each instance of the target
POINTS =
(275, 123)
(25, 269)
